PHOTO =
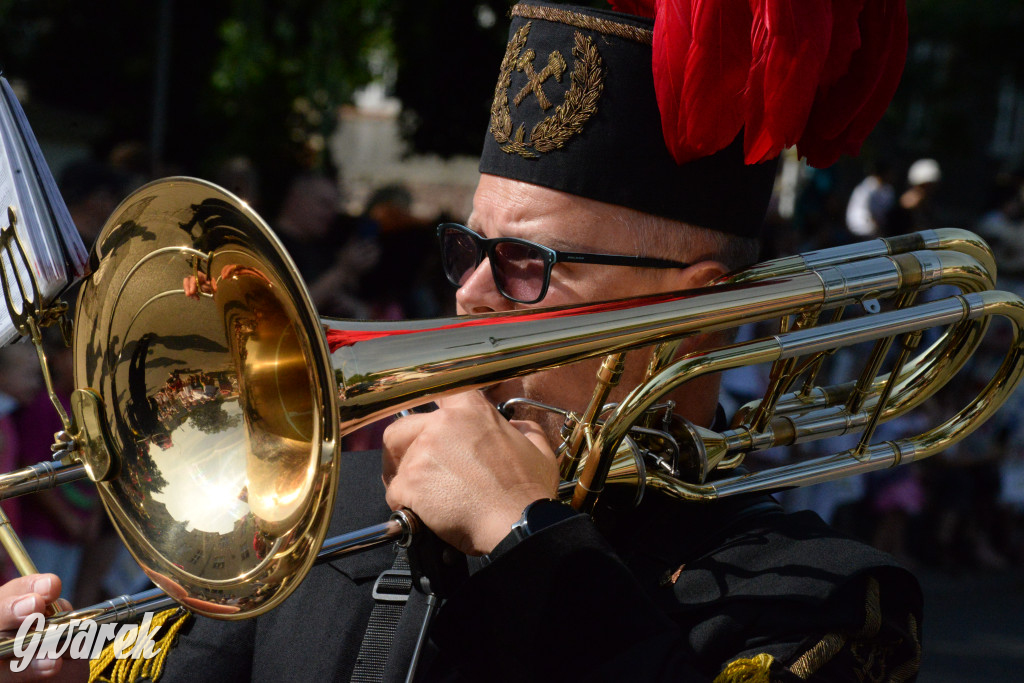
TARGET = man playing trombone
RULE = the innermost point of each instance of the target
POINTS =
(598, 183)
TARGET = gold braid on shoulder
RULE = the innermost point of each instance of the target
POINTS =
(107, 668)
(756, 669)
(871, 656)
(886, 660)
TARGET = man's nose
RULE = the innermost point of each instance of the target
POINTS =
(478, 293)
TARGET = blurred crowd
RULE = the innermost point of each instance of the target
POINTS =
(962, 510)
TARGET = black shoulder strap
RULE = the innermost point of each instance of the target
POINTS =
(390, 594)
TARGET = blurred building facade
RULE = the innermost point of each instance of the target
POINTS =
(370, 153)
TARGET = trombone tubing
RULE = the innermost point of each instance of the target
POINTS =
(887, 454)
(941, 239)
(41, 476)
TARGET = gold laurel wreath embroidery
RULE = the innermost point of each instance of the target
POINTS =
(579, 104)
(501, 120)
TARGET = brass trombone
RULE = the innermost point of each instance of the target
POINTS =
(213, 397)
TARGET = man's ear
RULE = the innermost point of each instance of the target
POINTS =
(700, 274)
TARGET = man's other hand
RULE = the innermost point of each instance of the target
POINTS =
(19, 598)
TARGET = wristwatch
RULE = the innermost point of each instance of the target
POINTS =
(538, 515)
(541, 514)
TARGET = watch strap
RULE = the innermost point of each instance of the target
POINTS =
(538, 515)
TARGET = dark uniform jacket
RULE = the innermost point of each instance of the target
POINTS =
(670, 591)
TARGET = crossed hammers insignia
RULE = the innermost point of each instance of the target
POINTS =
(556, 67)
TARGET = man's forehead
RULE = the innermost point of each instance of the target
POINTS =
(550, 233)
(511, 208)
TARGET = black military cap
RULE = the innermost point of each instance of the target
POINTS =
(574, 109)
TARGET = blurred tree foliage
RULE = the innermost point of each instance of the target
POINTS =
(284, 67)
(99, 60)
(261, 79)
(961, 55)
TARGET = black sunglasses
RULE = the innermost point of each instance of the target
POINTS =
(521, 269)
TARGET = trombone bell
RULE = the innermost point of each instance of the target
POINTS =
(219, 412)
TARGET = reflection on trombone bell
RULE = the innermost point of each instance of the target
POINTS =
(209, 409)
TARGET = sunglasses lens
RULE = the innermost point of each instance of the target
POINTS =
(459, 254)
(519, 269)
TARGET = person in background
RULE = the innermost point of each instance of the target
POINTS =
(133, 159)
(307, 223)
(916, 209)
(406, 280)
(870, 203)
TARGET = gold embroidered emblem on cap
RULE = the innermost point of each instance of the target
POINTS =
(556, 67)
(578, 105)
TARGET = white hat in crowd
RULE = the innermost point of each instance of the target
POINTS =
(924, 171)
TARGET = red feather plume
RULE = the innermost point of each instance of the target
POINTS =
(845, 39)
(701, 60)
(790, 41)
(812, 73)
(846, 111)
